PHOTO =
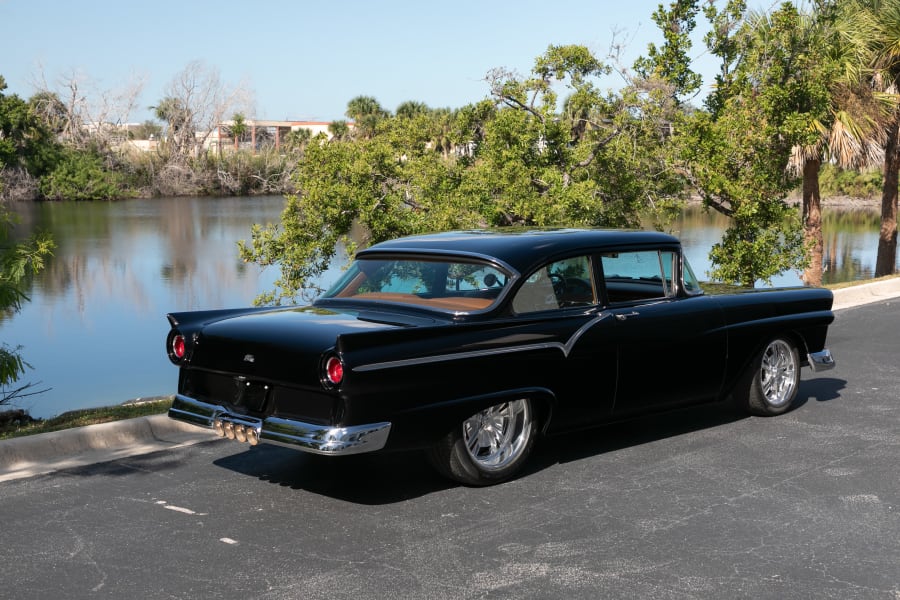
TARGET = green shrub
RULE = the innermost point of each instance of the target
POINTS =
(834, 181)
(81, 175)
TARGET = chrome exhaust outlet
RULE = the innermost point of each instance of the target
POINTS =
(241, 429)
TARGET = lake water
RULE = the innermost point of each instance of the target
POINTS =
(95, 328)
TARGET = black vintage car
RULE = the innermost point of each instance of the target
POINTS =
(471, 344)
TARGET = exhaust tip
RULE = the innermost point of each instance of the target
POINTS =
(234, 430)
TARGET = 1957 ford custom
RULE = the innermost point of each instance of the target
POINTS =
(472, 344)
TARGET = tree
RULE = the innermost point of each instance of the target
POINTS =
(297, 139)
(196, 101)
(83, 114)
(339, 129)
(879, 29)
(847, 129)
(736, 152)
(239, 128)
(18, 260)
(509, 161)
(671, 62)
(28, 148)
(365, 112)
(411, 109)
(172, 112)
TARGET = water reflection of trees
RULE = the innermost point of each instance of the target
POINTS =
(184, 249)
(127, 252)
(851, 238)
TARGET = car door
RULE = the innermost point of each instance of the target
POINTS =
(672, 348)
(560, 302)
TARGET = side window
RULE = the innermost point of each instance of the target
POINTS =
(561, 284)
(642, 275)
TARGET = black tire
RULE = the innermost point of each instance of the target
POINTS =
(775, 378)
(490, 446)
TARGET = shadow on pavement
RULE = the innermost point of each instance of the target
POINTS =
(384, 478)
(378, 478)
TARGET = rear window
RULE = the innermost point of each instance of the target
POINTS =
(446, 285)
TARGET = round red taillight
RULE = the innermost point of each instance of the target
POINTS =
(334, 370)
(178, 346)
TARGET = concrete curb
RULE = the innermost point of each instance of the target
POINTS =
(865, 293)
(49, 452)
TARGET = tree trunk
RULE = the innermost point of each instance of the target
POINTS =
(886, 263)
(812, 222)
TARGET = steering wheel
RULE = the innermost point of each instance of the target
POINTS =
(491, 280)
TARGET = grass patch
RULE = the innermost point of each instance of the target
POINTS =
(847, 284)
(20, 424)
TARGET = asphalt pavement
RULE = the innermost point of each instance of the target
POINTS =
(703, 503)
(50, 452)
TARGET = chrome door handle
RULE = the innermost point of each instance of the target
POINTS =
(624, 316)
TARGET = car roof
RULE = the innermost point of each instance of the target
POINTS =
(521, 248)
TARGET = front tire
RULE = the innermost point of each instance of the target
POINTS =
(775, 379)
(490, 446)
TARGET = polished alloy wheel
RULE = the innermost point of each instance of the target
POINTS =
(496, 437)
(778, 373)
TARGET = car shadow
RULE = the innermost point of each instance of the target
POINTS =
(820, 389)
(638, 431)
(374, 479)
(390, 477)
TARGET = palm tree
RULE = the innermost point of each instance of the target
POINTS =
(412, 108)
(172, 111)
(366, 112)
(238, 128)
(877, 30)
(847, 133)
(339, 130)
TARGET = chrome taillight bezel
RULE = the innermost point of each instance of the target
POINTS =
(332, 367)
(177, 346)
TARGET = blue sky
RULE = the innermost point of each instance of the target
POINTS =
(305, 60)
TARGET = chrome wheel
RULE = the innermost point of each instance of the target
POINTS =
(496, 437)
(774, 378)
(778, 373)
(490, 446)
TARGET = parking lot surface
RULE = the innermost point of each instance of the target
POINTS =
(703, 503)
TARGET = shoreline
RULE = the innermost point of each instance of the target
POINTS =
(871, 204)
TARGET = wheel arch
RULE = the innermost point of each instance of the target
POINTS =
(442, 417)
(747, 367)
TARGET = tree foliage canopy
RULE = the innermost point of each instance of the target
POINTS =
(513, 160)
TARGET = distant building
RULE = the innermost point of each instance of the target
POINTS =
(261, 134)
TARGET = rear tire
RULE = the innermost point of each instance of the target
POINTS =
(490, 446)
(775, 379)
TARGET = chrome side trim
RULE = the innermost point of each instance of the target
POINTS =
(821, 361)
(318, 439)
(564, 348)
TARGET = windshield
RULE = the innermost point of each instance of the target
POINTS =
(448, 285)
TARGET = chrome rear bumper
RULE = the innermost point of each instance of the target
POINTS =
(821, 361)
(319, 439)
